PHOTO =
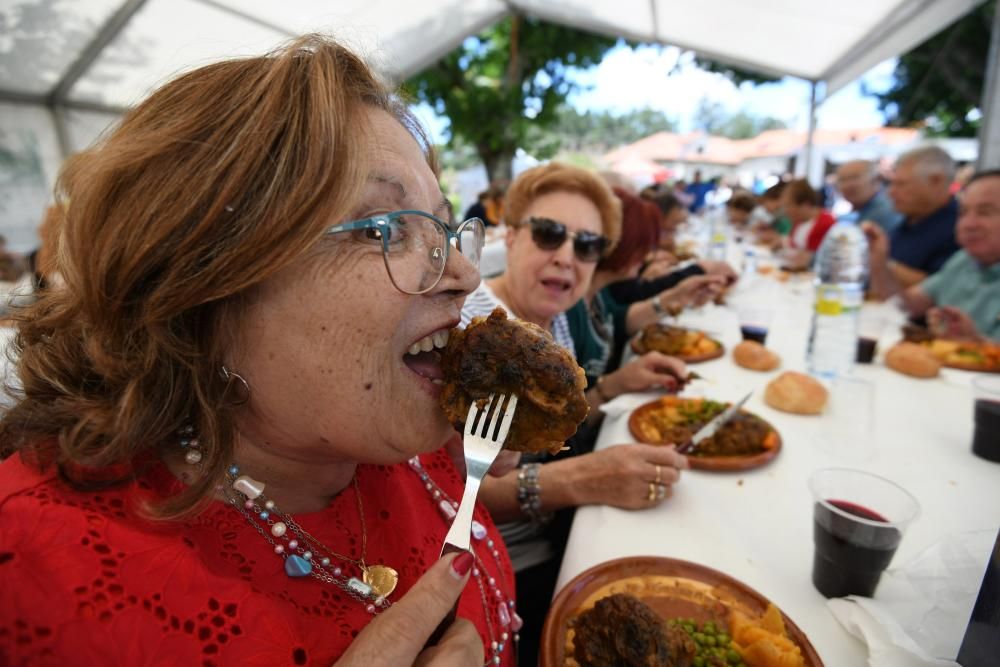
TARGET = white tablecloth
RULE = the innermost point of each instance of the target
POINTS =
(756, 525)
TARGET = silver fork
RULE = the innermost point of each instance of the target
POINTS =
(486, 430)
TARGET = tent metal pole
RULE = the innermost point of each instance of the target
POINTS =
(989, 129)
(62, 130)
(92, 51)
(810, 135)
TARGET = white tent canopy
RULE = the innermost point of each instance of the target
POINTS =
(106, 54)
(86, 60)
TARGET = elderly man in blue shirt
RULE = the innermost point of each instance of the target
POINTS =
(858, 183)
(921, 190)
(962, 300)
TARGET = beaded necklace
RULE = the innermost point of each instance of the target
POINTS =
(304, 555)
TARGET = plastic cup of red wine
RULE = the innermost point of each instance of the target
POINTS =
(754, 321)
(986, 434)
(858, 521)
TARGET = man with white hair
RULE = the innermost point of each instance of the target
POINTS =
(858, 182)
(920, 190)
(962, 300)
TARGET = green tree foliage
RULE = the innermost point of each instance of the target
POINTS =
(940, 83)
(713, 118)
(511, 78)
(600, 131)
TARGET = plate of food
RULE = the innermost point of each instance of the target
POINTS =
(983, 357)
(746, 441)
(688, 345)
(663, 611)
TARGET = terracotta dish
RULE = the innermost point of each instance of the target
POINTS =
(982, 357)
(670, 419)
(670, 587)
(688, 345)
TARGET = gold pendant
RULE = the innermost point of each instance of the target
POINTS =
(381, 578)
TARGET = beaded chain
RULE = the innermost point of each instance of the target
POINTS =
(506, 612)
(304, 555)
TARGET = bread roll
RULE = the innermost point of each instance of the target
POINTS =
(751, 354)
(913, 359)
(796, 393)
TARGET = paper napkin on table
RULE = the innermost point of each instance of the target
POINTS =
(921, 609)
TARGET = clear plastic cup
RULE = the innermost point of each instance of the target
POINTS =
(858, 521)
(986, 438)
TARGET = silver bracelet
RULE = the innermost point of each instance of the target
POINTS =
(529, 493)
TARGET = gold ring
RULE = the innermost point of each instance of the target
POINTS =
(652, 492)
(659, 475)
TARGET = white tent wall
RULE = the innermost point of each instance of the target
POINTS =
(29, 159)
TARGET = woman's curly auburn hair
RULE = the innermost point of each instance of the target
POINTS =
(217, 181)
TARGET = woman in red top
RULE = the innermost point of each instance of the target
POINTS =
(228, 449)
(810, 222)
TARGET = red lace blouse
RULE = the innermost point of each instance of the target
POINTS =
(86, 581)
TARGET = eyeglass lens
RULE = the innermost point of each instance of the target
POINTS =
(416, 250)
(550, 235)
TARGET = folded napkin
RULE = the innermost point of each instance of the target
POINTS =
(888, 645)
(923, 607)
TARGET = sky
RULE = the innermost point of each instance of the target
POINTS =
(623, 82)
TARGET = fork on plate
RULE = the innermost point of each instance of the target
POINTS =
(486, 429)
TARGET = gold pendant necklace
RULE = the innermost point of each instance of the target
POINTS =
(381, 578)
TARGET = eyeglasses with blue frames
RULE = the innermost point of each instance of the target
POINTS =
(415, 245)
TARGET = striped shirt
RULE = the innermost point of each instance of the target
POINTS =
(482, 302)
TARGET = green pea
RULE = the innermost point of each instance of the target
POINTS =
(733, 657)
(699, 637)
(698, 661)
(710, 640)
(709, 628)
(724, 639)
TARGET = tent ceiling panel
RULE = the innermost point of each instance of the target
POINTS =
(399, 38)
(39, 39)
(827, 40)
(163, 39)
(905, 29)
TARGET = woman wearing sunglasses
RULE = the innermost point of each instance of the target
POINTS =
(544, 208)
(562, 220)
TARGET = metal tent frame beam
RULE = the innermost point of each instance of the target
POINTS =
(56, 100)
(989, 130)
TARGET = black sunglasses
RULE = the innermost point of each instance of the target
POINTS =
(550, 235)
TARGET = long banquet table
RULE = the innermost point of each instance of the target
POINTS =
(756, 525)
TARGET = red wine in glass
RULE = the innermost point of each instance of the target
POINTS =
(866, 350)
(750, 332)
(850, 555)
(986, 440)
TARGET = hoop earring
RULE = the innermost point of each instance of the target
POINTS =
(229, 376)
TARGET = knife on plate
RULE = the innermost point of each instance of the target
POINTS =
(712, 427)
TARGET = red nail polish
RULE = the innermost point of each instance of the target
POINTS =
(462, 564)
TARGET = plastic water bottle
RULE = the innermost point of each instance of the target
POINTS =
(749, 263)
(841, 274)
(718, 241)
